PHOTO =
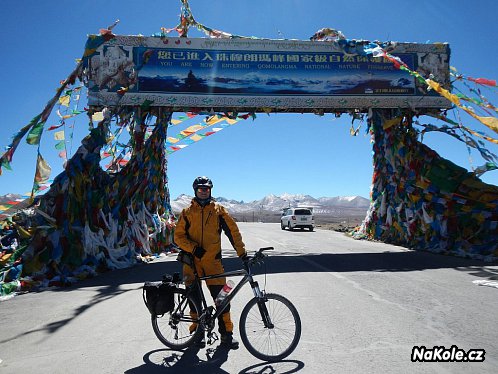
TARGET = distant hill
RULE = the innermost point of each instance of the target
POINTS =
(324, 205)
(271, 205)
(9, 197)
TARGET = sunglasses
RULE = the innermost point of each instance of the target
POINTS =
(203, 189)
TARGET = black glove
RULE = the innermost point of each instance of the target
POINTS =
(199, 252)
(245, 260)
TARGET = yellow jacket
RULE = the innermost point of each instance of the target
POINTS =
(201, 227)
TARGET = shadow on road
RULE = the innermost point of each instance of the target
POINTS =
(282, 367)
(290, 262)
(183, 362)
(110, 284)
(187, 362)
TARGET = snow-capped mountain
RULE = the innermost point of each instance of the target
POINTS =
(349, 201)
(269, 203)
(274, 203)
(9, 197)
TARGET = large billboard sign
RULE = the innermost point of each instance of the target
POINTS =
(261, 75)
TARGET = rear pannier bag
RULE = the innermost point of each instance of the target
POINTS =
(159, 297)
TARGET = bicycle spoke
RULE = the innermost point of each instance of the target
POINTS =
(173, 329)
(274, 343)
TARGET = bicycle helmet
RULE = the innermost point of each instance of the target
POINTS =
(202, 182)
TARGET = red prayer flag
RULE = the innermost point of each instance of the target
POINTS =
(484, 81)
(55, 127)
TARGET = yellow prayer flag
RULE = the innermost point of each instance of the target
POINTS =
(196, 137)
(482, 136)
(397, 227)
(491, 122)
(171, 140)
(59, 135)
(64, 100)
(214, 120)
(192, 129)
(445, 93)
(391, 122)
(97, 117)
(176, 121)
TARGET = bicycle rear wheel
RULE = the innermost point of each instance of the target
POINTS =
(173, 328)
(270, 344)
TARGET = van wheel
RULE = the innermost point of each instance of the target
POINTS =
(282, 225)
(311, 228)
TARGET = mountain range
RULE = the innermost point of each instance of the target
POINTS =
(274, 203)
(339, 205)
(9, 197)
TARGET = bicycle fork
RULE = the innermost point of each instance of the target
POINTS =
(265, 316)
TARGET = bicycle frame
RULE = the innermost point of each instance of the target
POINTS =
(192, 321)
(247, 278)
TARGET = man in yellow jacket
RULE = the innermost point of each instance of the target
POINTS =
(198, 231)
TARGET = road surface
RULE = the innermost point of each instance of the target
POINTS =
(363, 305)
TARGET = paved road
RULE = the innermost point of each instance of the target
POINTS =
(363, 307)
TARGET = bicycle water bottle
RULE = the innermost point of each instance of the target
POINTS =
(224, 292)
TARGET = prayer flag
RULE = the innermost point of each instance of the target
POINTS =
(59, 135)
(42, 170)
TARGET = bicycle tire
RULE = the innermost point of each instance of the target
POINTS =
(270, 344)
(172, 328)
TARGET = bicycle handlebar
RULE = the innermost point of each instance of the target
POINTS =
(258, 257)
(266, 249)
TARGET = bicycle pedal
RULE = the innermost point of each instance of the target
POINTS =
(212, 337)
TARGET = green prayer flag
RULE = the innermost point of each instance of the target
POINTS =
(60, 145)
(6, 164)
(35, 133)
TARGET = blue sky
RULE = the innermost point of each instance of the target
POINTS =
(279, 153)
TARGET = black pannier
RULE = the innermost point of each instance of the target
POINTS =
(159, 297)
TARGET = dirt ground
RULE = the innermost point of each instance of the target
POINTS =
(325, 222)
(339, 226)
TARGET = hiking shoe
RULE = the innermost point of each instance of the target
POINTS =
(229, 341)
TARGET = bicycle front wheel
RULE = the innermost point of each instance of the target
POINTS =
(177, 329)
(279, 341)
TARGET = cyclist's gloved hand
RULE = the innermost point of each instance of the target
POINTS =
(245, 259)
(199, 252)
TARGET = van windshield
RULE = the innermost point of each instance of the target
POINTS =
(302, 212)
